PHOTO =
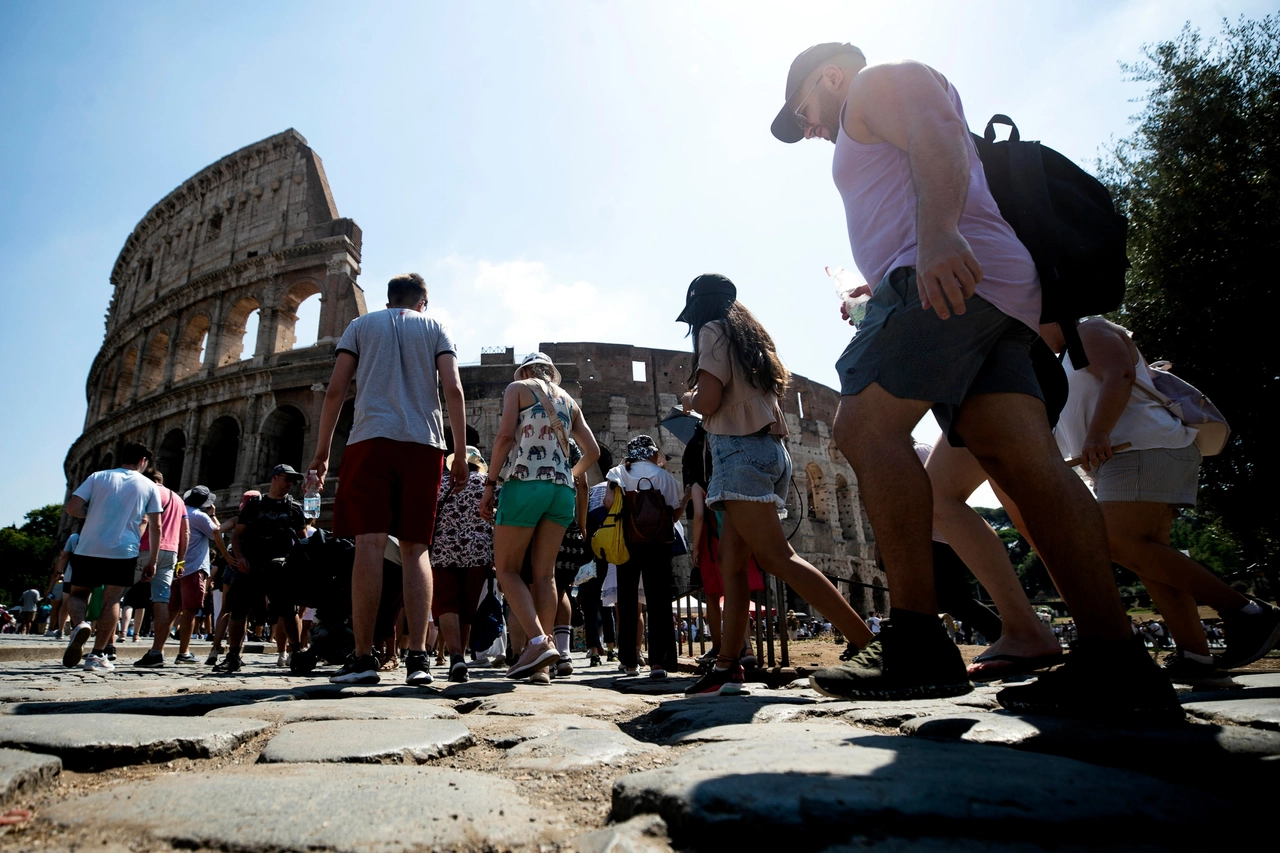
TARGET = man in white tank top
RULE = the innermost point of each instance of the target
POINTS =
(954, 308)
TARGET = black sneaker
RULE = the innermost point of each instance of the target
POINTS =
(187, 658)
(303, 662)
(922, 664)
(418, 668)
(595, 660)
(612, 656)
(151, 659)
(1180, 669)
(231, 663)
(725, 682)
(850, 652)
(1101, 678)
(357, 670)
(110, 652)
(458, 670)
(1249, 637)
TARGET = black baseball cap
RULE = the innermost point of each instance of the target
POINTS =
(704, 285)
(785, 127)
(287, 470)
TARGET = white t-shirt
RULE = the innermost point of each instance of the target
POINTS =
(659, 477)
(397, 394)
(30, 600)
(202, 532)
(118, 502)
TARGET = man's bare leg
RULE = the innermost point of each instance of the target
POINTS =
(366, 589)
(106, 625)
(162, 621)
(186, 624)
(873, 431)
(1009, 436)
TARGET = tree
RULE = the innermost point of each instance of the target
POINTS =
(26, 553)
(1199, 180)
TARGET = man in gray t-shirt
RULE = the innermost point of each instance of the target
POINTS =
(400, 359)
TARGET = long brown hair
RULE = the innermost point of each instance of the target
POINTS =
(749, 343)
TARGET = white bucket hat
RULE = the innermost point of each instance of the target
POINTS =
(539, 358)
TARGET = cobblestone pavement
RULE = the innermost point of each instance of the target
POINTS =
(260, 761)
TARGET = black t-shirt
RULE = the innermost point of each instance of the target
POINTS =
(270, 527)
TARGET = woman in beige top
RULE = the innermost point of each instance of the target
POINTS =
(737, 377)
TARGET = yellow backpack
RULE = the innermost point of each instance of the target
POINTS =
(608, 542)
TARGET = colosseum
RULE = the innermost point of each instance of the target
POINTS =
(250, 238)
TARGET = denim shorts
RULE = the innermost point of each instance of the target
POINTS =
(748, 468)
(162, 580)
(914, 355)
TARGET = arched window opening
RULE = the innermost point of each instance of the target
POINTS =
(106, 395)
(844, 506)
(108, 462)
(280, 441)
(240, 332)
(298, 318)
(190, 356)
(125, 383)
(172, 449)
(346, 418)
(818, 498)
(153, 363)
(219, 452)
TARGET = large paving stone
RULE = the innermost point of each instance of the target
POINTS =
(505, 732)
(1257, 713)
(363, 809)
(366, 741)
(833, 730)
(773, 791)
(21, 773)
(86, 741)
(675, 717)
(881, 714)
(576, 748)
(532, 700)
(360, 708)
(1217, 752)
(642, 834)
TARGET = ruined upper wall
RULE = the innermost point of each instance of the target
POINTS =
(265, 197)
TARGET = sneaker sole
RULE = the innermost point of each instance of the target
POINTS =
(933, 691)
(732, 689)
(420, 679)
(157, 665)
(356, 678)
(1267, 646)
(547, 656)
(75, 648)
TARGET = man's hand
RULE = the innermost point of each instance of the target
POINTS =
(242, 565)
(321, 466)
(486, 505)
(459, 472)
(860, 290)
(686, 402)
(946, 271)
(149, 570)
(1097, 449)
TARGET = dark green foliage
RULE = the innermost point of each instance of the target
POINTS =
(1200, 182)
(27, 552)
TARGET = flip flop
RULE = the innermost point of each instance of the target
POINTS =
(1011, 665)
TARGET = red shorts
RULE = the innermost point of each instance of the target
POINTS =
(387, 486)
(187, 592)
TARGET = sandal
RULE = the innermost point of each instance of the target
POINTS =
(1007, 666)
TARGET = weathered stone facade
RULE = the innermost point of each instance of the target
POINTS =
(256, 231)
(259, 231)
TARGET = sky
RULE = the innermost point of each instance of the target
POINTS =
(556, 170)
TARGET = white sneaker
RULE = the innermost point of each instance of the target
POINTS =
(52, 634)
(75, 646)
(97, 662)
(480, 660)
(282, 659)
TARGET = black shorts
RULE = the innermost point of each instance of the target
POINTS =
(104, 571)
(259, 591)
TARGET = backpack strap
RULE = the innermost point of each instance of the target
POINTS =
(1075, 347)
(542, 392)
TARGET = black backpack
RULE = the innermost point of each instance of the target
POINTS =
(1067, 221)
(646, 518)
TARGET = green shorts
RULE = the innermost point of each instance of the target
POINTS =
(523, 503)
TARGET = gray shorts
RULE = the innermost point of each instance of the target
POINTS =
(1159, 476)
(914, 355)
(162, 580)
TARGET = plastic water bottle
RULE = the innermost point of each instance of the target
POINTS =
(845, 283)
(311, 497)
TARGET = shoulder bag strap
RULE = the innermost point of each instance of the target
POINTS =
(543, 394)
